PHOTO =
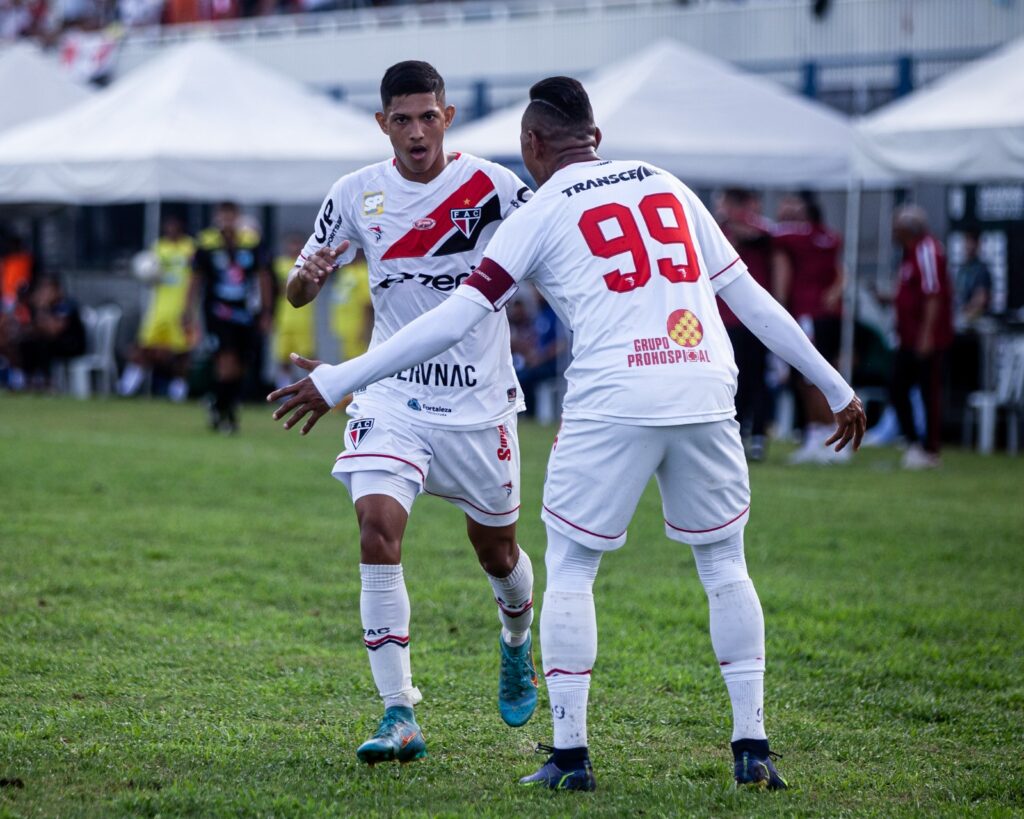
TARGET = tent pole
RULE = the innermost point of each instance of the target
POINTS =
(151, 224)
(853, 195)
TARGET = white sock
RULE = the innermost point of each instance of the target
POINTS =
(384, 607)
(131, 379)
(514, 596)
(568, 635)
(737, 631)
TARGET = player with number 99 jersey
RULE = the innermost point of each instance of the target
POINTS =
(645, 260)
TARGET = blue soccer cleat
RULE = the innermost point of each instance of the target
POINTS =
(398, 737)
(754, 767)
(517, 685)
(574, 775)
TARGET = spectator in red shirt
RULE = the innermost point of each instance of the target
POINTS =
(739, 214)
(924, 325)
(809, 282)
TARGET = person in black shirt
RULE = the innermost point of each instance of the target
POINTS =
(56, 332)
(231, 272)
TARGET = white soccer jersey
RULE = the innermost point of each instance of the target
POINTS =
(421, 241)
(630, 260)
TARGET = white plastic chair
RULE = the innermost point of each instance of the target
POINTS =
(1008, 394)
(100, 336)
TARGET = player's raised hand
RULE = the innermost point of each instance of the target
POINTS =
(321, 264)
(303, 397)
(850, 425)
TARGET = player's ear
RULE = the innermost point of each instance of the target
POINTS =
(449, 115)
(597, 137)
(382, 121)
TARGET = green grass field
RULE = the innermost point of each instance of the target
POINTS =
(179, 635)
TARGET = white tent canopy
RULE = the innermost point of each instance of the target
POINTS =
(968, 125)
(32, 86)
(196, 123)
(702, 119)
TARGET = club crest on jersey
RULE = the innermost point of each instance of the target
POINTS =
(373, 203)
(685, 329)
(359, 429)
(466, 219)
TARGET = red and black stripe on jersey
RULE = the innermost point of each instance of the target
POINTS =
(444, 237)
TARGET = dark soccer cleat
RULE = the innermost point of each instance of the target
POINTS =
(574, 774)
(517, 684)
(398, 737)
(754, 767)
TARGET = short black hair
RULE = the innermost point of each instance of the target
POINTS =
(812, 206)
(741, 196)
(559, 107)
(410, 77)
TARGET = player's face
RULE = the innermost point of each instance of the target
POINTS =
(415, 124)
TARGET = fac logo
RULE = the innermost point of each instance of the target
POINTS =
(465, 219)
(359, 429)
(685, 329)
(373, 203)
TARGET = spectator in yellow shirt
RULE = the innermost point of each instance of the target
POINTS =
(294, 327)
(352, 312)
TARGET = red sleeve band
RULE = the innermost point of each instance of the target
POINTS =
(493, 281)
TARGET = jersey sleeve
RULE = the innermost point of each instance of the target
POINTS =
(513, 191)
(332, 226)
(721, 261)
(510, 257)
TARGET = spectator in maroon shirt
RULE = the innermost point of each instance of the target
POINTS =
(739, 214)
(924, 325)
(809, 282)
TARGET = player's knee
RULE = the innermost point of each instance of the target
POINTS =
(379, 545)
(496, 549)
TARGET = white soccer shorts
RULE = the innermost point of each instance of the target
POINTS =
(476, 470)
(598, 471)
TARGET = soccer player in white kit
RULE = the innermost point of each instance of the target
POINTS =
(446, 427)
(632, 262)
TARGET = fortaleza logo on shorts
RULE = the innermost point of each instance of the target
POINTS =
(684, 330)
(359, 429)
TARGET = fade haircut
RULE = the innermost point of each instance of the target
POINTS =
(410, 77)
(560, 109)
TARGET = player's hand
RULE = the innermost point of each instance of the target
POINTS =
(303, 397)
(850, 425)
(320, 265)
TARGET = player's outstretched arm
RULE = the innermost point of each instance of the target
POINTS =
(767, 320)
(420, 340)
(306, 281)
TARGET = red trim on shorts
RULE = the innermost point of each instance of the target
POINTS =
(571, 673)
(720, 272)
(491, 279)
(392, 457)
(713, 528)
(585, 531)
(478, 509)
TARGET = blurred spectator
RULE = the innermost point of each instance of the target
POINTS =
(537, 347)
(55, 334)
(21, 18)
(294, 329)
(351, 309)
(232, 274)
(163, 346)
(739, 214)
(973, 284)
(16, 268)
(924, 326)
(809, 282)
